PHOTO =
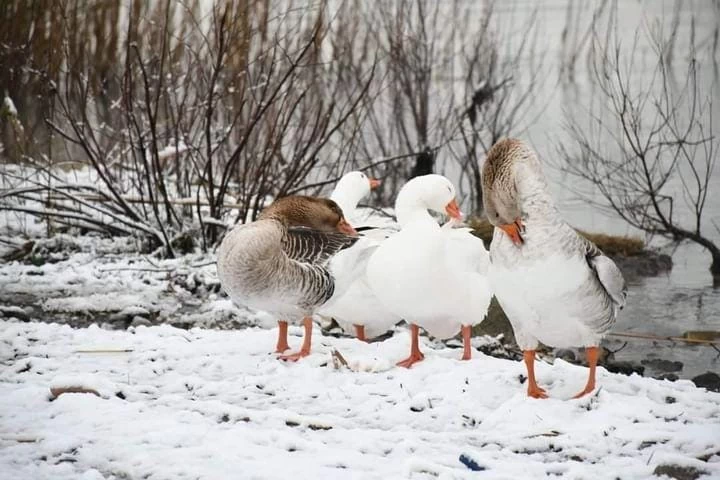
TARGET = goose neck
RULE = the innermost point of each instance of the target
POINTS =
(347, 199)
(410, 208)
(533, 191)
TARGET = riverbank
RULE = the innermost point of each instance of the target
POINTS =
(84, 281)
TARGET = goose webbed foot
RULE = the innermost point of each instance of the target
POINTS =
(415, 354)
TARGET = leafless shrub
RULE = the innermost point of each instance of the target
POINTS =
(190, 117)
(650, 147)
(500, 89)
(237, 105)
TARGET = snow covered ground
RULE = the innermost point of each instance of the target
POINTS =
(216, 404)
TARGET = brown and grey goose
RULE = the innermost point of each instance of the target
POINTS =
(555, 286)
(282, 263)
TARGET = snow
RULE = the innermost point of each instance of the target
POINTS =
(9, 106)
(171, 151)
(216, 404)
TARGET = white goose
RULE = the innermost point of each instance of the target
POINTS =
(555, 286)
(350, 189)
(283, 263)
(434, 277)
(359, 308)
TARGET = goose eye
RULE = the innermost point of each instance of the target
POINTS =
(497, 215)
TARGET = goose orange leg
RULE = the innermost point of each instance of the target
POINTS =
(467, 347)
(533, 390)
(360, 332)
(592, 354)
(282, 342)
(415, 354)
(307, 340)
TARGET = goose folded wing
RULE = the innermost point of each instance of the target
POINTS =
(307, 245)
(607, 272)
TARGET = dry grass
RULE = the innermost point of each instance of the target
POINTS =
(609, 244)
(616, 245)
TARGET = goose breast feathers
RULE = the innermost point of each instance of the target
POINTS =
(284, 270)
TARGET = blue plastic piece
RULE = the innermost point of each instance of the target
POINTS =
(470, 463)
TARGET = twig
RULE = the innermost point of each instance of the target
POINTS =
(204, 264)
(130, 199)
(613, 352)
(647, 336)
(136, 269)
(339, 360)
(106, 350)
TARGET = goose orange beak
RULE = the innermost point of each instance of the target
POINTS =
(513, 231)
(374, 183)
(453, 210)
(344, 227)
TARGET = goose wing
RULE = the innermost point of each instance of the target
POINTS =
(464, 251)
(307, 245)
(607, 273)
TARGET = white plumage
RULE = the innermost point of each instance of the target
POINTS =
(358, 306)
(432, 276)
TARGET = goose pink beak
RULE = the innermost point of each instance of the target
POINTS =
(344, 227)
(453, 210)
(374, 183)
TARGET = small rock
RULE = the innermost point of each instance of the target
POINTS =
(565, 354)
(315, 426)
(677, 472)
(14, 312)
(626, 368)
(663, 365)
(667, 376)
(709, 380)
(128, 314)
(138, 321)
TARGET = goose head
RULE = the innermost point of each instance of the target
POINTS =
(426, 192)
(351, 188)
(317, 213)
(501, 197)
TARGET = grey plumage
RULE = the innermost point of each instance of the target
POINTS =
(608, 274)
(267, 266)
(556, 287)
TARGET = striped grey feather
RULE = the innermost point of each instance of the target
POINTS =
(267, 266)
(607, 273)
(304, 244)
(604, 293)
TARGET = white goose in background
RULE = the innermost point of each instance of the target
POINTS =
(285, 262)
(350, 189)
(358, 308)
(434, 277)
(555, 286)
